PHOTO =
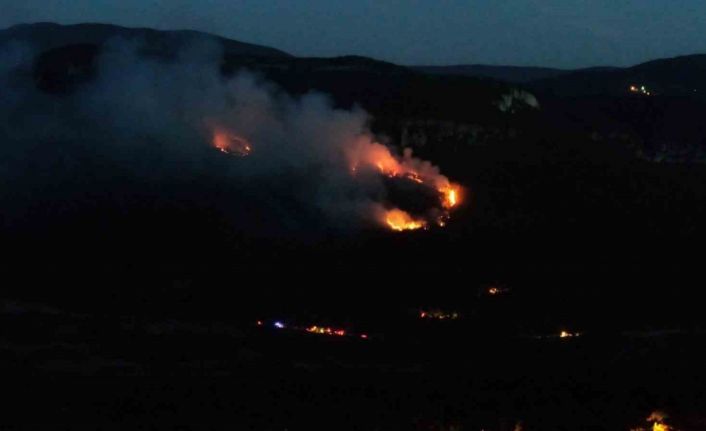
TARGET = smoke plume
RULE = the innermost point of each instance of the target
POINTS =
(145, 132)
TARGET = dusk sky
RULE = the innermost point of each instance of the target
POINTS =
(557, 33)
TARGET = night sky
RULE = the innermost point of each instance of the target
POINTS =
(556, 33)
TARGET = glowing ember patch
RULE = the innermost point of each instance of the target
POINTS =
(567, 334)
(230, 144)
(399, 220)
(325, 331)
(437, 314)
(414, 177)
(496, 290)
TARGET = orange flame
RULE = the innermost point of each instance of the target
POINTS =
(365, 153)
(450, 195)
(325, 330)
(659, 417)
(231, 144)
(437, 314)
(567, 334)
(378, 157)
(399, 220)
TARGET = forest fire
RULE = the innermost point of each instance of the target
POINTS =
(437, 195)
(399, 220)
(450, 197)
(372, 155)
(229, 143)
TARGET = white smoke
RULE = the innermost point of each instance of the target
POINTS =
(149, 122)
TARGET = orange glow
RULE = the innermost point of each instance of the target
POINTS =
(659, 424)
(231, 144)
(641, 90)
(450, 195)
(414, 177)
(391, 168)
(325, 331)
(567, 334)
(367, 154)
(399, 220)
(496, 290)
(437, 314)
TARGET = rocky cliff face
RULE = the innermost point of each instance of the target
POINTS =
(517, 99)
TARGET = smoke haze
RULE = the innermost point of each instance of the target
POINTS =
(141, 132)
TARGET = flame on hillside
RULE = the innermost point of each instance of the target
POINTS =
(366, 154)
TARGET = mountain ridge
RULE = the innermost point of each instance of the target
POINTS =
(537, 74)
(47, 35)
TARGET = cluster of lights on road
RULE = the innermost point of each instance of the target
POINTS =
(640, 90)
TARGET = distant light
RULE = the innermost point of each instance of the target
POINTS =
(259, 323)
(279, 325)
(567, 334)
(364, 336)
